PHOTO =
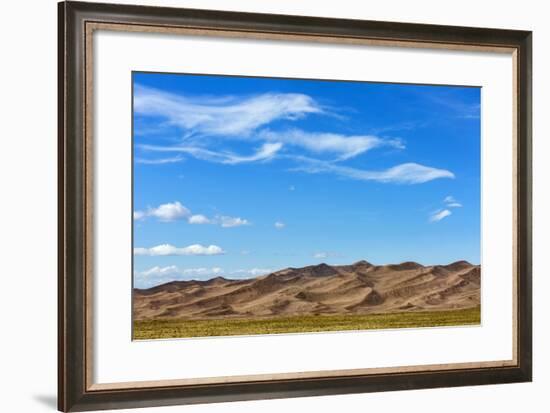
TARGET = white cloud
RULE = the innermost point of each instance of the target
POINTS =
(407, 173)
(343, 146)
(175, 210)
(321, 255)
(202, 271)
(259, 271)
(160, 275)
(263, 153)
(228, 115)
(241, 118)
(451, 202)
(456, 106)
(439, 215)
(167, 249)
(279, 225)
(139, 215)
(229, 222)
(173, 270)
(161, 161)
(198, 219)
(253, 272)
(167, 212)
(160, 271)
(204, 119)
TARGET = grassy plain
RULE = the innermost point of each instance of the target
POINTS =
(180, 328)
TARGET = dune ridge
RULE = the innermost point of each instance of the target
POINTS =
(359, 288)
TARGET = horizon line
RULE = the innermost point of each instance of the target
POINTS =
(228, 276)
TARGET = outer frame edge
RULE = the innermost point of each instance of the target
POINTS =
(71, 253)
(72, 395)
(61, 403)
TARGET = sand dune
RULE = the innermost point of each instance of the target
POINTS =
(359, 288)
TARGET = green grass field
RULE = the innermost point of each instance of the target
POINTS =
(177, 328)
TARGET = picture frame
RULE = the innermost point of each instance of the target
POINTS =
(76, 185)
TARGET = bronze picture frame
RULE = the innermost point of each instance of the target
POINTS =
(77, 21)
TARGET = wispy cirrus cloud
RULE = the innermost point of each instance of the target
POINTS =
(160, 161)
(247, 119)
(222, 220)
(242, 118)
(227, 115)
(437, 216)
(457, 107)
(451, 202)
(407, 173)
(343, 146)
(263, 153)
(401, 126)
(279, 225)
(167, 249)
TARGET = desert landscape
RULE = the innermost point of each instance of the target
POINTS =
(312, 298)
(250, 192)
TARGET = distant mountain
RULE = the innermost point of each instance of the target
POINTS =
(358, 288)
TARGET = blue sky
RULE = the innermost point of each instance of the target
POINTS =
(239, 176)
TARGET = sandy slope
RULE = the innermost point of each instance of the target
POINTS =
(359, 288)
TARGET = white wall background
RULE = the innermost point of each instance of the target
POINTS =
(28, 204)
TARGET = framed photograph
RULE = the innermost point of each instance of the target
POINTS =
(260, 206)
